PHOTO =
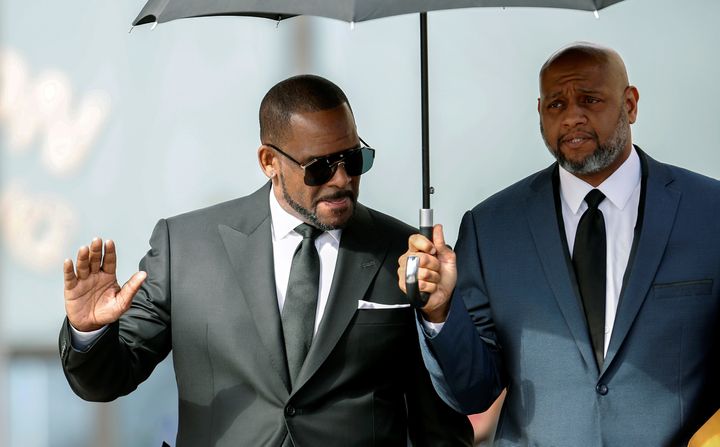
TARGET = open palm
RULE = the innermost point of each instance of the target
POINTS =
(93, 297)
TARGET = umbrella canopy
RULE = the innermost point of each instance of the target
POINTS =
(160, 11)
(348, 10)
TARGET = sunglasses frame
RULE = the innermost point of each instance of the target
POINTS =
(331, 166)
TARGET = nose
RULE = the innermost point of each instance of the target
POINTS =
(574, 115)
(340, 176)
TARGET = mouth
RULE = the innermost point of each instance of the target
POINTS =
(576, 140)
(338, 200)
(336, 203)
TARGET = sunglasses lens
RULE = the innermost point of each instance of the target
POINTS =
(359, 161)
(356, 162)
(318, 174)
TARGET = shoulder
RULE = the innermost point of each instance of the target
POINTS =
(512, 198)
(248, 210)
(684, 180)
(692, 180)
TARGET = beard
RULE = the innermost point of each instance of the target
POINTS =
(310, 216)
(602, 157)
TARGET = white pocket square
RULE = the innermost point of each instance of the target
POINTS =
(362, 304)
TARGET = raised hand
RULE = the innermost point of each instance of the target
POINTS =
(437, 274)
(93, 297)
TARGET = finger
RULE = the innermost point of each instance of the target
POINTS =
(445, 253)
(428, 280)
(429, 267)
(95, 254)
(83, 263)
(129, 289)
(428, 276)
(427, 287)
(419, 243)
(69, 277)
(109, 263)
(428, 262)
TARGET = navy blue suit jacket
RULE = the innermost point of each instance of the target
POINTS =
(516, 319)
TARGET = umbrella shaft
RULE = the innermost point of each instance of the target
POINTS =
(425, 111)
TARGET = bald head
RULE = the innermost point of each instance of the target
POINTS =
(604, 58)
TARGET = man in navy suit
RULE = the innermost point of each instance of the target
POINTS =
(629, 360)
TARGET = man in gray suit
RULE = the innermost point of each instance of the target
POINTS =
(281, 308)
(591, 289)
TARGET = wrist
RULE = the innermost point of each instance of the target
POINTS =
(85, 327)
(435, 315)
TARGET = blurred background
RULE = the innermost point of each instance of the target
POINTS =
(105, 131)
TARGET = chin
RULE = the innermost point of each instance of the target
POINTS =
(337, 219)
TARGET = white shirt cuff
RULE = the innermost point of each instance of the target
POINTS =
(81, 340)
(431, 329)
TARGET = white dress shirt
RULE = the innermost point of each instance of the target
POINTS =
(620, 211)
(285, 241)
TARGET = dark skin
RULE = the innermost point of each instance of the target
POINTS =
(93, 297)
(583, 90)
(314, 134)
(581, 96)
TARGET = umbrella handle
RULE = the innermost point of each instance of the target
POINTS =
(417, 298)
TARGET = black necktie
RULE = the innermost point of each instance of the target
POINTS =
(298, 313)
(589, 258)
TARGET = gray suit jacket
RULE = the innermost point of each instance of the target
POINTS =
(210, 299)
(516, 319)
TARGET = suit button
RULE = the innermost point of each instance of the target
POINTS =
(601, 389)
(290, 410)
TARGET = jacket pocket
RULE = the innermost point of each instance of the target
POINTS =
(683, 289)
(397, 316)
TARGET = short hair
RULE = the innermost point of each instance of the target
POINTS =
(298, 94)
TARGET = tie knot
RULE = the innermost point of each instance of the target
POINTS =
(594, 197)
(308, 231)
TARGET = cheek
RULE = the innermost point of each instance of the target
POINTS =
(548, 128)
(297, 189)
(355, 184)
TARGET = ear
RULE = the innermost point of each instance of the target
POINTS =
(267, 161)
(539, 107)
(632, 96)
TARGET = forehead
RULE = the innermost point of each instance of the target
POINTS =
(322, 132)
(577, 72)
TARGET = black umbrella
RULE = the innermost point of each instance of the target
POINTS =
(160, 11)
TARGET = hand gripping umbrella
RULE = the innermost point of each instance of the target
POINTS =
(160, 11)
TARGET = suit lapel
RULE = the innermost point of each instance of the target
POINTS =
(661, 203)
(361, 253)
(249, 247)
(549, 240)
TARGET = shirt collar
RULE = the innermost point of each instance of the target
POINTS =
(284, 223)
(617, 188)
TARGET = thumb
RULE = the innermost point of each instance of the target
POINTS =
(439, 239)
(130, 288)
(443, 251)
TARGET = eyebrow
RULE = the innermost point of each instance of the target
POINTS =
(579, 89)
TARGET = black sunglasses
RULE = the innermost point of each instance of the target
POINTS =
(319, 170)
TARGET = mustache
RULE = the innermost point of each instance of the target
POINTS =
(341, 194)
(583, 133)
